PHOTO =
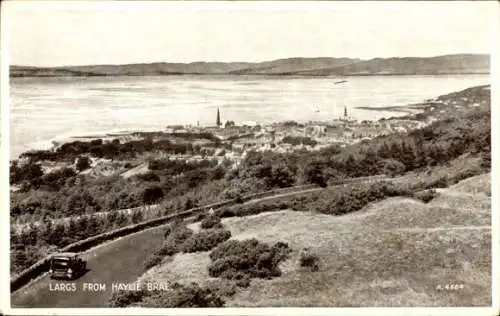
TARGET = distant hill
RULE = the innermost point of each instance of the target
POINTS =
(323, 66)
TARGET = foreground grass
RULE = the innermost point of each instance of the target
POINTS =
(391, 253)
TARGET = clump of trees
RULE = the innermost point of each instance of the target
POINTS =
(115, 149)
(299, 140)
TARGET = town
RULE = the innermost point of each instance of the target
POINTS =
(287, 136)
(229, 142)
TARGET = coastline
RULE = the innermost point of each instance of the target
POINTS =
(419, 112)
(56, 142)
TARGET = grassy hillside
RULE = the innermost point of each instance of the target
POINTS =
(324, 66)
(392, 253)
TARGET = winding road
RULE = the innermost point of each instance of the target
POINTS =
(117, 261)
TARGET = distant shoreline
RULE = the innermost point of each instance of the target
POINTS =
(316, 67)
(251, 75)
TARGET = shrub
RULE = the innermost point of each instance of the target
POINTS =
(351, 199)
(191, 295)
(425, 196)
(152, 194)
(234, 259)
(211, 221)
(169, 248)
(440, 183)
(257, 208)
(125, 298)
(175, 236)
(178, 226)
(239, 199)
(154, 260)
(309, 260)
(225, 212)
(205, 240)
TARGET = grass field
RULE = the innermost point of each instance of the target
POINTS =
(392, 253)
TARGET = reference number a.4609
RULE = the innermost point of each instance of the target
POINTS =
(450, 287)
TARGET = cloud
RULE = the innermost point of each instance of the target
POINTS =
(94, 33)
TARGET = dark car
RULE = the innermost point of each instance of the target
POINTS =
(67, 265)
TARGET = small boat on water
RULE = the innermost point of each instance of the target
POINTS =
(339, 82)
(317, 109)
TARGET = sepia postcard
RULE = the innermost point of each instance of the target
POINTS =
(249, 157)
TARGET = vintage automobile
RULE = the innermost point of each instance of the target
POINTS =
(67, 265)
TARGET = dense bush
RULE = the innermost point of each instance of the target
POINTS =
(425, 196)
(254, 208)
(25, 172)
(309, 260)
(125, 298)
(351, 199)
(234, 259)
(205, 240)
(152, 194)
(211, 221)
(180, 295)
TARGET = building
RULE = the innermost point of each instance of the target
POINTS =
(347, 117)
(218, 121)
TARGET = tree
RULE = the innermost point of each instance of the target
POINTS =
(420, 156)
(384, 151)
(93, 226)
(395, 151)
(82, 226)
(280, 176)
(408, 156)
(152, 194)
(351, 166)
(56, 235)
(314, 174)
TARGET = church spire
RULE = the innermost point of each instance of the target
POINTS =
(218, 118)
(345, 111)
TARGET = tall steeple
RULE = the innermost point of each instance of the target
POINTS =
(345, 111)
(218, 118)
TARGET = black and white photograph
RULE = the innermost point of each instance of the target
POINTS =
(169, 155)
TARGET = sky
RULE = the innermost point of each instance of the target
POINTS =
(61, 33)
